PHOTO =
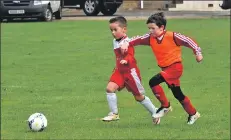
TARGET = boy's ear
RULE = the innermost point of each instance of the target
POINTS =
(125, 28)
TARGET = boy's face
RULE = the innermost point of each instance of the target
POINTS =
(117, 31)
(155, 30)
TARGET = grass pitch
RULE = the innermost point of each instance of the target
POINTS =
(61, 69)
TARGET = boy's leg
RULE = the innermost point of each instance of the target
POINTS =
(186, 103)
(148, 105)
(111, 97)
(160, 95)
(172, 76)
(133, 84)
(115, 83)
(157, 90)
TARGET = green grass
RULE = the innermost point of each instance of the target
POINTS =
(62, 68)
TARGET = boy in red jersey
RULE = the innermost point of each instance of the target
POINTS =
(126, 73)
(166, 47)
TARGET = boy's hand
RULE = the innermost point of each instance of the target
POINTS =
(199, 58)
(123, 62)
(124, 47)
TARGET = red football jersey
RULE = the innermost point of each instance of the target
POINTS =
(129, 56)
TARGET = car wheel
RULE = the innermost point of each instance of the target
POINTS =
(47, 14)
(91, 7)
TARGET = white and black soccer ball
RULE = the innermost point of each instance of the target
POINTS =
(37, 122)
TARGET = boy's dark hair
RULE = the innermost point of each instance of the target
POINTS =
(158, 19)
(120, 19)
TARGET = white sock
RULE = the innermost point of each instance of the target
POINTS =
(148, 105)
(112, 102)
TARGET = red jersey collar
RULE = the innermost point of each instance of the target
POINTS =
(159, 37)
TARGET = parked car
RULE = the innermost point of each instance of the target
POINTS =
(93, 7)
(46, 9)
(41, 9)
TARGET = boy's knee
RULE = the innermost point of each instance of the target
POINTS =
(156, 80)
(112, 87)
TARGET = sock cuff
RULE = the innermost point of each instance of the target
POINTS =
(110, 94)
(145, 99)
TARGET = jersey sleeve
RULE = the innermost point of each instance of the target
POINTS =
(182, 40)
(140, 40)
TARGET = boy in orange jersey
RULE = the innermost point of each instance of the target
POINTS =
(126, 73)
(166, 47)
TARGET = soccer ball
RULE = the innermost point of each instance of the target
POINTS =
(37, 122)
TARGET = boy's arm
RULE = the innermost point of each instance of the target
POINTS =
(140, 40)
(129, 55)
(182, 40)
(135, 41)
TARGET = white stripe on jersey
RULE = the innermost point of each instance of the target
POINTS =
(145, 36)
(137, 81)
(186, 39)
(190, 42)
(141, 37)
(116, 44)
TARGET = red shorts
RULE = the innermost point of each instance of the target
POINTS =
(172, 73)
(131, 80)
